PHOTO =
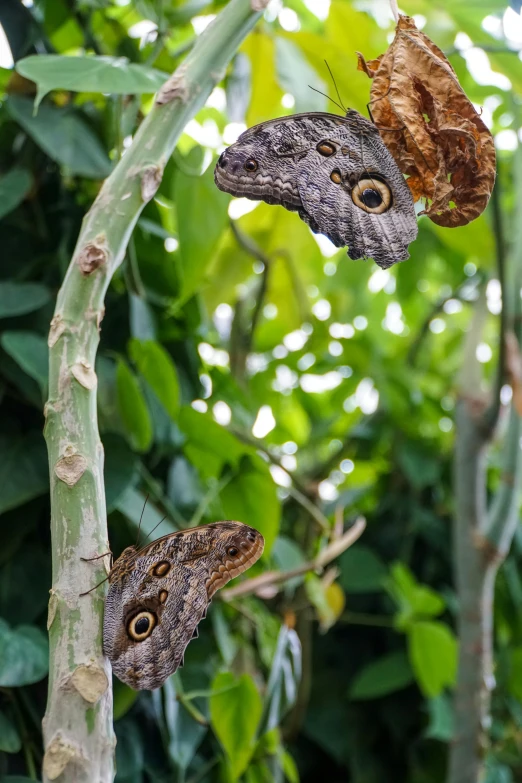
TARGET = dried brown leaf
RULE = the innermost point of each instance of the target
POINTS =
(431, 127)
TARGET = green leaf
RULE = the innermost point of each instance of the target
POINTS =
(120, 468)
(362, 571)
(64, 136)
(289, 767)
(24, 655)
(390, 673)
(328, 600)
(251, 497)
(209, 446)
(295, 74)
(30, 352)
(515, 674)
(114, 75)
(133, 408)
(185, 733)
(432, 650)
(198, 196)
(24, 471)
(415, 601)
(21, 298)
(157, 368)
(124, 698)
(234, 716)
(10, 741)
(14, 187)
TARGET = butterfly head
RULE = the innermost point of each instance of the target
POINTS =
(123, 565)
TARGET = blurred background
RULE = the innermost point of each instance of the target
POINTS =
(249, 370)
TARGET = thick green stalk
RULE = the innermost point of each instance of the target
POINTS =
(482, 536)
(78, 736)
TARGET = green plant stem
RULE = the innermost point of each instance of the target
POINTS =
(78, 734)
(482, 536)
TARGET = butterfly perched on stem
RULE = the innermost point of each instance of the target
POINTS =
(158, 594)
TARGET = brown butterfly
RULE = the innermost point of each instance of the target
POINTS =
(158, 594)
(335, 172)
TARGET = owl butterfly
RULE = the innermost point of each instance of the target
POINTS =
(335, 172)
(158, 594)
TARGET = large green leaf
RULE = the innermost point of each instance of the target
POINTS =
(14, 187)
(362, 571)
(415, 601)
(157, 368)
(390, 673)
(296, 76)
(21, 298)
(64, 136)
(235, 712)
(202, 216)
(10, 741)
(24, 471)
(30, 352)
(89, 74)
(251, 497)
(209, 446)
(24, 655)
(432, 649)
(133, 408)
(120, 468)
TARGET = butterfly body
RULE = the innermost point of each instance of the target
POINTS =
(158, 595)
(335, 172)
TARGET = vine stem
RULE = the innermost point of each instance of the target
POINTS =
(78, 736)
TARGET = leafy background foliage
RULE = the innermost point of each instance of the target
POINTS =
(245, 365)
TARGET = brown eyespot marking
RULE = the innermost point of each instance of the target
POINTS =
(251, 536)
(251, 165)
(335, 176)
(232, 551)
(161, 569)
(372, 195)
(163, 595)
(325, 148)
(141, 625)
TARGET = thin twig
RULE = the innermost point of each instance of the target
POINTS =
(271, 578)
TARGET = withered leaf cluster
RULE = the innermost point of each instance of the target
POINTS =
(431, 127)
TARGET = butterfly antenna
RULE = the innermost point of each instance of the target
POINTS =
(327, 96)
(155, 528)
(336, 88)
(141, 517)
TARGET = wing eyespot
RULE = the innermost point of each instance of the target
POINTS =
(335, 176)
(250, 165)
(232, 551)
(161, 569)
(163, 595)
(325, 148)
(372, 195)
(141, 625)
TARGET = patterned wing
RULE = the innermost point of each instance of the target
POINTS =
(336, 172)
(264, 163)
(153, 609)
(355, 194)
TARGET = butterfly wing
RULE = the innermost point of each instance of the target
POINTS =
(264, 162)
(352, 165)
(152, 612)
(312, 163)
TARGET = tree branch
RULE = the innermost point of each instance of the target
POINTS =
(78, 735)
